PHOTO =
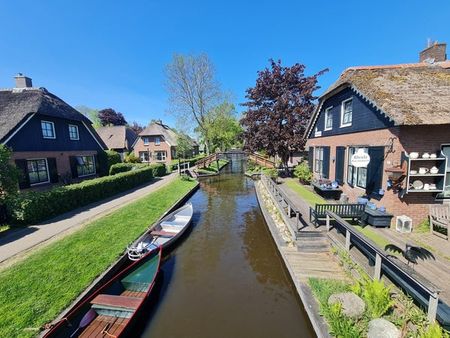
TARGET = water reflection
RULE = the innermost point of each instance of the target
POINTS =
(226, 278)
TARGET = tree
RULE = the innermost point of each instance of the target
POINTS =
(110, 117)
(9, 175)
(184, 146)
(278, 110)
(136, 127)
(91, 114)
(193, 91)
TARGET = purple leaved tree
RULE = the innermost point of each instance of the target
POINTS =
(110, 117)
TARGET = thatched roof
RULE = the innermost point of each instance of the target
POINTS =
(117, 137)
(408, 94)
(17, 104)
(160, 129)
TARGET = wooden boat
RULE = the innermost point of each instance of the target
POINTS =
(111, 310)
(164, 233)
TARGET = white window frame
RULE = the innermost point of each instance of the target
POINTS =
(142, 158)
(46, 167)
(78, 132)
(93, 162)
(317, 132)
(328, 115)
(53, 128)
(318, 160)
(164, 158)
(157, 141)
(342, 113)
(354, 182)
(146, 140)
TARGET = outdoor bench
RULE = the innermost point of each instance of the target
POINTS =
(353, 211)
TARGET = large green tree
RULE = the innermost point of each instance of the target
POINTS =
(279, 107)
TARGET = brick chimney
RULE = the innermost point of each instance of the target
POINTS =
(22, 81)
(435, 52)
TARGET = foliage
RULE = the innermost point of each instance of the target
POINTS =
(184, 146)
(136, 127)
(9, 175)
(109, 117)
(376, 295)
(113, 158)
(91, 114)
(121, 168)
(214, 167)
(433, 331)
(303, 173)
(159, 169)
(272, 173)
(33, 207)
(84, 255)
(192, 161)
(102, 167)
(374, 236)
(423, 227)
(193, 91)
(131, 158)
(278, 109)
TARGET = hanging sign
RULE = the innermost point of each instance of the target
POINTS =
(360, 159)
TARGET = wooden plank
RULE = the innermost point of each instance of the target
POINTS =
(123, 302)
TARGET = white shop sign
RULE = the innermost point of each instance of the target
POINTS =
(360, 159)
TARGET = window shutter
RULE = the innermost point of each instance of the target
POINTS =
(375, 170)
(24, 179)
(326, 162)
(73, 166)
(311, 158)
(340, 159)
(53, 172)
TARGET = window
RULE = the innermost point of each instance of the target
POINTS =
(346, 113)
(317, 133)
(157, 141)
(85, 165)
(144, 156)
(48, 129)
(73, 132)
(38, 171)
(318, 160)
(356, 176)
(328, 119)
(146, 140)
(160, 155)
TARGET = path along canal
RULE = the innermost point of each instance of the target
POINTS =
(226, 278)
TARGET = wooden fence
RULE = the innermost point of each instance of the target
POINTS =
(261, 160)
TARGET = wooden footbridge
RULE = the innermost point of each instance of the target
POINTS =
(236, 154)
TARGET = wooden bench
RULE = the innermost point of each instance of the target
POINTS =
(162, 233)
(440, 219)
(353, 211)
(116, 302)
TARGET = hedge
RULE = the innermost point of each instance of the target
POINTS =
(192, 161)
(121, 168)
(33, 207)
(159, 169)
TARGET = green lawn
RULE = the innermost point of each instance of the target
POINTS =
(4, 227)
(378, 239)
(213, 167)
(309, 196)
(34, 291)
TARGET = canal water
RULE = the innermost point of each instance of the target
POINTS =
(226, 278)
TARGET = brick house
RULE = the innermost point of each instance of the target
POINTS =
(387, 112)
(118, 138)
(50, 140)
(158, 143)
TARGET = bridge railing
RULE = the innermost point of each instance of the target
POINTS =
(415, 285)
(206, 161)
(261, 160)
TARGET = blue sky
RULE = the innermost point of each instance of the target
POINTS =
(112, 53)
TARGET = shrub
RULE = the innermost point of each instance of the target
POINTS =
(9, 175)
(303, 173)
(159, 169)
(341, 325)
(272, 173)
(33, 207)
(433, 331)
(121, 168)
(113, 157)
(131, 158)
(376, 295)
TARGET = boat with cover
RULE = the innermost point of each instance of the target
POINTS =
(112, 309)
(164, 233)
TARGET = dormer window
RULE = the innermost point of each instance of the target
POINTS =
(157, 141)
(328, 119)
(48, 129)
(346, 113)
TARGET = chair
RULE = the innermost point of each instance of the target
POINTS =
(440, 220)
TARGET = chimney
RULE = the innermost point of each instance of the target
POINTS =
(23, 81)
(435, 52)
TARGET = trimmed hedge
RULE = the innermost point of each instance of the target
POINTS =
(33, 207)
(159, 169)
(121, 168)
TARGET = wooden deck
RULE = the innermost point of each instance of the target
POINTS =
(105, 326)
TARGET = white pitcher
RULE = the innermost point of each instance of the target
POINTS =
(423, 171)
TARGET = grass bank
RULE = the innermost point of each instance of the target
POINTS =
(36, 290)
(309, 196)
(213, 167)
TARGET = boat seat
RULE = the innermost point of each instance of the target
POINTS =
(111, 302)
(163, 233)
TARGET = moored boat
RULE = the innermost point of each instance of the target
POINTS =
(164, 233)
(111, 310)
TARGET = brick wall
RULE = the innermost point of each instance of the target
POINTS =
(395, 140)
(152, 147)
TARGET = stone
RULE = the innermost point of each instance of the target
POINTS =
(352, 305)
(382, 328)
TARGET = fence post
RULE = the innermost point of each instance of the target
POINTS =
(289, 209)
(347, 240)
(328, 222)
(377, 272)
(432, 307)
(297, 216)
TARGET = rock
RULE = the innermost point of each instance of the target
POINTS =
(352, 305)
(382, 328)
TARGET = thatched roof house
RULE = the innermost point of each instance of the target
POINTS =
(118, 138)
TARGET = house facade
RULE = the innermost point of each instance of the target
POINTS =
(158, 143)
(392, 114)
(118, 138)
(51, 142)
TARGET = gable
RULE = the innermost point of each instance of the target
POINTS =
(365, 116)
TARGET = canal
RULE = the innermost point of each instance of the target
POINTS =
(226, 278)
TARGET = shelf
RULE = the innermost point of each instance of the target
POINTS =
(426, 175)
(423, 190)
(427, 159)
